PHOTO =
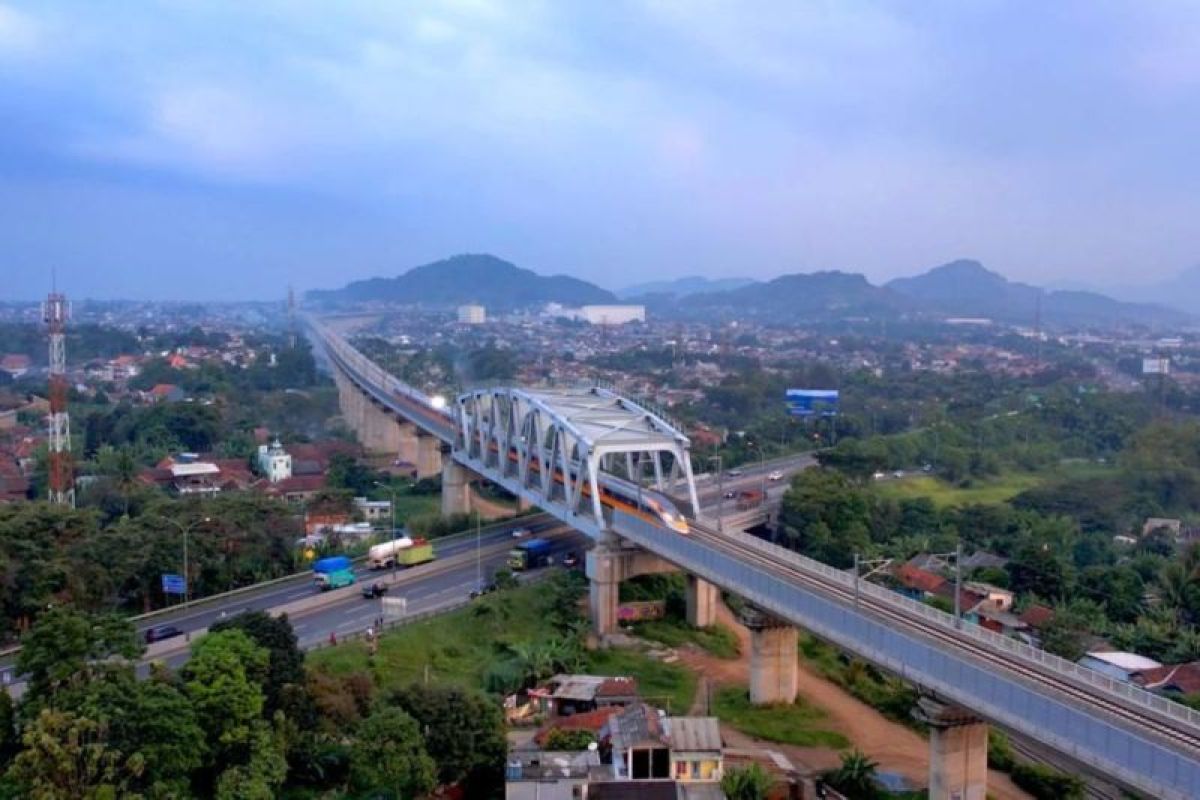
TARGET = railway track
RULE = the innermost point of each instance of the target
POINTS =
(1152, 725)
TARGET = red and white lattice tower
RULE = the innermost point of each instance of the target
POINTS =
(55, 312)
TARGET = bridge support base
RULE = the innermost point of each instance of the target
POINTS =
(429, 456)
(773, 658)
(604, 568)
(958, 743)
(702, 599)
(456, 488)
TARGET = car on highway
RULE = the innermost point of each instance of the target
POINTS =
(730, 495)
(775, 476)
(161, 632)
(570, 560)
(479, 591)
(371, 591)
(734, 473)
(520, 533)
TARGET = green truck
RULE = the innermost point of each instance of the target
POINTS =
(420, 552)
(333, 572)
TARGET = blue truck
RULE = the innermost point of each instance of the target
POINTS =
(530, 554)
(333, 572)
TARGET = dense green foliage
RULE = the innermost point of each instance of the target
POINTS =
(746, 783)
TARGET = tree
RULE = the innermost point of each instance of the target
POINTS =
(464, 734)
(68, 756)
(61, 649)
(746, 783)
(285, 667)
(568, 740)
(388, 758)
(263, 773)
(224, 678)
(826, 516)
(150, 720)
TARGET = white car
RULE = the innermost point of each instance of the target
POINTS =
(520, 533)
(775, 476)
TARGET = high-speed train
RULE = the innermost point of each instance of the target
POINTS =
(620, 494)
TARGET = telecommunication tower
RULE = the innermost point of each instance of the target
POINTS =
(55, 312)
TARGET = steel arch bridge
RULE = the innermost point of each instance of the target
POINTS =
(560, 448)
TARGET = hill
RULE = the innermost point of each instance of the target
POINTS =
(481, 278)
(683, 287)
(965, 288)
(810, 296)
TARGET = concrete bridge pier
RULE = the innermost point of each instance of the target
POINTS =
(958, 743)
(429, 456)
(773, 658)
(605, 568)
(456, 488)
(702, 598)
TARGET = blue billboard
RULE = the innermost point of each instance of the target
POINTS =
(812, 402)
(173, 584)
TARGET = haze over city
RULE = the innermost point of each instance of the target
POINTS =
(223, 151)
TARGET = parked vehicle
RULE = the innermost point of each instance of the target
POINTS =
(382, 555)
(530, 554)
(374, 590)
(160, 632)
(333, 572)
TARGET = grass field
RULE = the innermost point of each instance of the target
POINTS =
(999, 489)
(716, 639)
(460, 646)
(668, 686)
(797, 724)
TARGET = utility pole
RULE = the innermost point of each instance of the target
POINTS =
(55, 312)
(720, 494)
(478, 552)
(958, 585)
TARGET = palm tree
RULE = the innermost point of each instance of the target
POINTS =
(856, 776)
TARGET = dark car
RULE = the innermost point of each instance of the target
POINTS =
(480, 591)
(372, 590)
(161, 632)
(570, 560)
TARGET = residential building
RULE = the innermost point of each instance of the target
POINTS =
(274, 462)
(550, 775)
(646, 745)
(15, 364)
(374, 511)
(565, 695)
(1119, 665)
(472, 314)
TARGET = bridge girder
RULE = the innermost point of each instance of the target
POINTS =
(553, 444)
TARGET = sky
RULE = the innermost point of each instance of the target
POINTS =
(218, 149)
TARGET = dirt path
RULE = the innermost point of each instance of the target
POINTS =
(897, 748)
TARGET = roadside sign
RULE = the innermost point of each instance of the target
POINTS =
(173, 584)
(394, 607)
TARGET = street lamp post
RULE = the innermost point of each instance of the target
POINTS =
(720, 494)
(392, 491)
(185, 530)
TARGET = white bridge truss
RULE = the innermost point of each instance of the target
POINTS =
(581, 434)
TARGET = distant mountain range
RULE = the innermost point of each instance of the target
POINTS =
(482, 278)
(966, 288)
(961, 288)
(683, 287)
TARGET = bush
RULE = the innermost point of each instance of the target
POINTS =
(1046, 783)
(568, 740)
(1000, 755)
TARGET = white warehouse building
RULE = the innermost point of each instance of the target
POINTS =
(472, 314)
(612, 315)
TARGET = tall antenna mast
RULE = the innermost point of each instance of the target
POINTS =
(55, 312)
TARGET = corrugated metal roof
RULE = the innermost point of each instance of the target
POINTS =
(694, 733)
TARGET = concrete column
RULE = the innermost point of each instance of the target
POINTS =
(604, 568)
(408, 448)
(773, 658)
(523, 504)
(429, 456)
(702, 599)
(456, 488)
(957, 751)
